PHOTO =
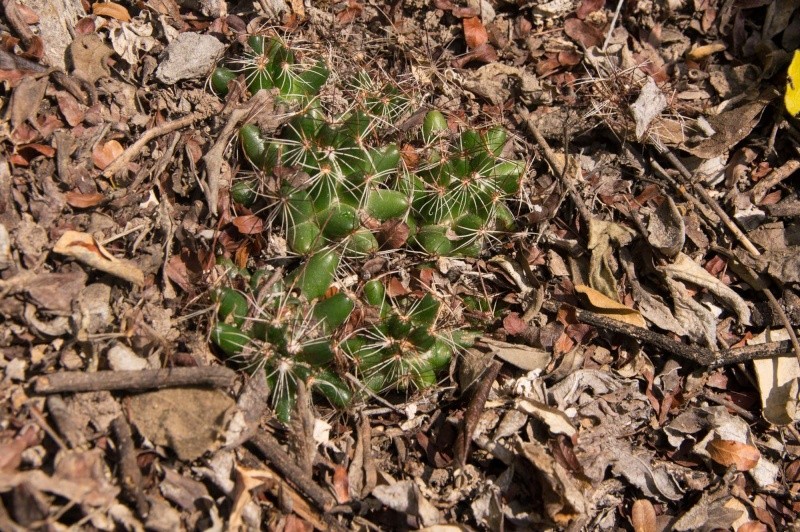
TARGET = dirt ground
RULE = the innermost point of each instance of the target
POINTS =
(633, 361)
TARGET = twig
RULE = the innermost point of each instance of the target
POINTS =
(133, 150)
(130, 476)
(784, 209)
(710, 217)
(720, 400)
(352, 378)
(270, 449)
(134, 381)
(773, 178)
(553, 160)
(473, 414)
(216, 155)
(612, 25)
(751, 279)
(697, 187)
(704, 357)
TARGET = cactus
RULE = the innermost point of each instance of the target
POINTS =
(451, 195)
(276, 329)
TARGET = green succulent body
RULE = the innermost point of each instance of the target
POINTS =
(356, 178)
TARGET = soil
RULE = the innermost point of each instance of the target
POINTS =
(636, 361)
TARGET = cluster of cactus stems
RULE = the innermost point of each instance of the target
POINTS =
(349, 177)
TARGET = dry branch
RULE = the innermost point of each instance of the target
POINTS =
(134, 381)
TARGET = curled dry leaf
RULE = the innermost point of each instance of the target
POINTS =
(733, 453)
(606, 306)
(666, 229)
(84, 248)
(111, 10)
(104, 153)
(643, 516)
(474, 32)
(685, 269)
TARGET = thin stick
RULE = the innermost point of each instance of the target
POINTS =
(613, 25)
(697, 187)
(773, 178)
(133, 150)
(553, 160)
(270, 449)
(216, 155)
(704, 357)
(752, 279)
(130, 476)
(134, 381)
(352, 378)
(473, 414)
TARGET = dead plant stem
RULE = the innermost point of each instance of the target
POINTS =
(133, 150)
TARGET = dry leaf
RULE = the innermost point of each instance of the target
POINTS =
(405, 497)
(584, 33)
(753, 526)
(729, 452)
(84, 248)
(341, 484)
(104, 154)
(647, 107)
(777, 379)
(80, 200)
(474, 32)
(25, 100)
(556, 420)
(521, 356)
(606, 306)
(87, 55)
(111, 10)
(248, 224)
(643, 516)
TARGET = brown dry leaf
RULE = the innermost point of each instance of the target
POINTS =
(606, 306)
(582, 32)
(188, 420)
(341, 484)
(248, 224)
(84, 248)
(777, 379)
(484, 53)
(111, 10)
(350, 13)
(74, 112)
(87, 55)
(518, 355)
(729, 452)
(643, 516)
(666, 228)
(79, 200)
(25, 100)
(683, 268)
(104, 154)
(562, 493)
(474, 32)
(586, 7)
(753, 526)
(393, 234)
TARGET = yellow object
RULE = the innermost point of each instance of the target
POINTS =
(792, 96)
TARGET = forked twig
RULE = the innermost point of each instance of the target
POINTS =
(133, 150)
